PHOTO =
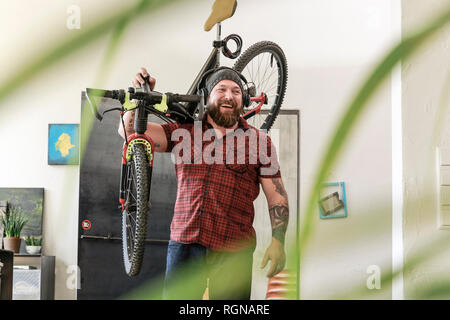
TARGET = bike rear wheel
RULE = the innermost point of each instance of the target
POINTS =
(134, 216)
(264, 65)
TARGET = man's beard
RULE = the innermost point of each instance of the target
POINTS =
(224, 119)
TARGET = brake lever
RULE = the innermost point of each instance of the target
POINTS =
(112, 109)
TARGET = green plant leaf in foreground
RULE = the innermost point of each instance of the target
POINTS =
(87, 117)
(63, 47)
(39, 62)
(408, 46)
(404, 50)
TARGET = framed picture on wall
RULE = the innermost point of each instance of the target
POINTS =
(30, 201)
(63, 144)
(333, 201)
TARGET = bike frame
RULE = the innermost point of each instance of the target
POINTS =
(213, 61)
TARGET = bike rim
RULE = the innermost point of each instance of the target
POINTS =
(265, 72)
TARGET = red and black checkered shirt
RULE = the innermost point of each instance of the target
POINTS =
(217, 183)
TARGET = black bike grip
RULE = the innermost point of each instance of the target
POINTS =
(185, 98)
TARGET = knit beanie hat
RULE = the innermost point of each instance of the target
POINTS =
(223, 74)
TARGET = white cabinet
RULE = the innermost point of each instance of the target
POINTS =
(34, 284)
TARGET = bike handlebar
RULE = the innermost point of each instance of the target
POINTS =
(153, 98)
(150, 98)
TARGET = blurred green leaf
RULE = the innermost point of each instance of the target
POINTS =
(64, 47)
(409, 45)
(404, 50)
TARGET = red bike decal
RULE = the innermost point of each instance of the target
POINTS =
(86, 225)
(122, 202)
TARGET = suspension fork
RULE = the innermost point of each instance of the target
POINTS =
(140, 121)
(123, 177)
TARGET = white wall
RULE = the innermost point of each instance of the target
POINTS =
(341, 250)
(424, 84)
(330, 46)
(53, 97)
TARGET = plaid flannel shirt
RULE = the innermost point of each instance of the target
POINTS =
(214, 205)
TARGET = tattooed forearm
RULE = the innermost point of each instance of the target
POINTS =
(279, 217)
(126, 124)
(279, 187)
(129, 121)
(278, 209)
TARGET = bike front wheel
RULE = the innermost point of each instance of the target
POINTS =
(134, 215)
(264, 66)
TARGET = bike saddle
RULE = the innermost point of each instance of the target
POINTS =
(221, 10)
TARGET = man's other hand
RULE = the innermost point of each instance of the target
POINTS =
(275, 253)
(138, 80)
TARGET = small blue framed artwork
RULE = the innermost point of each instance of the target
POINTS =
(333, 201)
(63, 144)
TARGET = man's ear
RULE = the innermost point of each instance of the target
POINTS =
(208, 101)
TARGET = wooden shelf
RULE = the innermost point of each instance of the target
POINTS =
(26, 255)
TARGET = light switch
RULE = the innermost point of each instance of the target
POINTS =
(445, 175)
(443, 185)
(444, 156)
(445, 215)
(445, 195)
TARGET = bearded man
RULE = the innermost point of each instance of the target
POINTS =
(213, 216)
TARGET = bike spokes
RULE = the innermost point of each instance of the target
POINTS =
(263, 73)
(265, 68)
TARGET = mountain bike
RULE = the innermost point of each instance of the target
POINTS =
(263, 65)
